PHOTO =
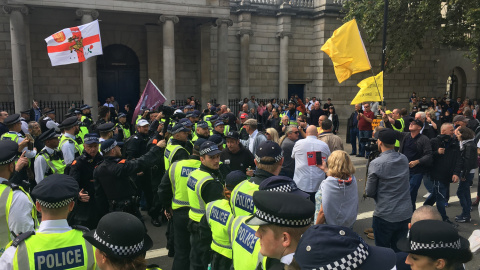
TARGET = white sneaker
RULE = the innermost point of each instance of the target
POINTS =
(426, 195)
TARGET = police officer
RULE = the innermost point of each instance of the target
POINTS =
(201, 131)
(204, 185)
(176, 148)
(85, 212)
(106, 131)
(49, 160)
(48, 120)
(216, 225)
(86, 117)
(123, 126)
(219, 128)
(194, 117)
(120, 247)
(217, 139)
(282, 218)
(55, 245)
(68, 145)
(268, 160)
(188, 124)
(15, 127)
(114, 190)
(21, 215)
(173, 195)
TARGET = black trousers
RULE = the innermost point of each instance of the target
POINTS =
(220, 262)
(199, 250)
(181, 235)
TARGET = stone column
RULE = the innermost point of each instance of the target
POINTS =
(169, 55)
(283, 34)
(222, 60)
(206, 63)
(89, 67)
(19, 56)
(245, 25)
(153, 45)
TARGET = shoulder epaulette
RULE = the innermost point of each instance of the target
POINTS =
(155, 141)
(20, 238)
(80, 228)
(121, 161)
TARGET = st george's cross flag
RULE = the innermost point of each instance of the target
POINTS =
(74, 44)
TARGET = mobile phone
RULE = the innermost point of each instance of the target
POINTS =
(318, 156)
(30, 142)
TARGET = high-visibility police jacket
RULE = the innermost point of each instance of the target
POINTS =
(170, 151)
(195, 182)
(83, 131)
(242, 199)
(226, 129)
(179, 172)
(64, 139)
(206, 118)
(245, 245)
(11, 135)
(397, 142)
(293, 117)
(6, 197)
(68, 250)
(125, 130)
(220, 219)
(54, 161)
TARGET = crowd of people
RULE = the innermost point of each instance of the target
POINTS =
(269, 188)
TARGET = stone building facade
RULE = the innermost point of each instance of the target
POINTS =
(218, 49)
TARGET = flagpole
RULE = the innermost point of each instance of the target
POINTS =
(378, 90)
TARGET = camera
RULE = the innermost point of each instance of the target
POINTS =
(167, 111)
(360, 111)
(370, 144)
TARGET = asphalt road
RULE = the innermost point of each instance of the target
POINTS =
(158, 254)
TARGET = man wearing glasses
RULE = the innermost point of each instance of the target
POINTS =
(365, 119)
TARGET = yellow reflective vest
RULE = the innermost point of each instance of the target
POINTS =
(54, 161)
(195, 182)
(245, 245)
(11, 135)
(242, 199)
(220, 219)
(179, 172)
(68, 250)
(170, 151)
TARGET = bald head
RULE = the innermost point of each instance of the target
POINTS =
(426, 212)
(311, 131)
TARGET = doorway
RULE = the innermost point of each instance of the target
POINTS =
(118, 75)
(296, 89)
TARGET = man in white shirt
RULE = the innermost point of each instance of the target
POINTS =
(308, 176)
(254, 138)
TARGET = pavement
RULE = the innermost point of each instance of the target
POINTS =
(158, 254)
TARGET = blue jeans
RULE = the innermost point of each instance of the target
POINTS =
(353, 139)
(463, 194)
(415, 182)
(439, 195)
(361, 147)
(387, 233)
(428, 183)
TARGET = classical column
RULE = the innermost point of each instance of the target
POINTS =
(245, 62)
(222, 59)
(206, 63)
(153, 43)
(89, 67)
(283, 68)
(169, 55)
(19, 56)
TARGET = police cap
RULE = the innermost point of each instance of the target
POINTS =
(56, 191)
(280, 183)
(234, 178)
(9, 151)
(214, 118)
(49, 134)
(12, 119)
(202, 124)
(108, 145)
(282, 209)
(198, 143)
(120, 115)
(217, 139)
(336, 248)
(185, 122)
(106, 127)
(85, 106)
(25, 112)
(179, 128)
(193, 114)
(120, 235)
(269, 149)
(91, 138)
(69, 122)
(219, 123)
(48, 111)
(209, 148)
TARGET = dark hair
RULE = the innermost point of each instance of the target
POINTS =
(136, 263)
(331, 107)
(103, 111)
(403, 112)
(466, 133)
(454, 259)
(467, 112)
(127, 105)
(303, 117)
(327, 124)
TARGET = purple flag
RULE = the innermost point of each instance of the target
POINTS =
(151, 98)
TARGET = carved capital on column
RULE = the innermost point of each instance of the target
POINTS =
(165, 18)
(283, 34)
(245, 3)
(221, 21)
(92, 12)
(242, 32)
(8, 9)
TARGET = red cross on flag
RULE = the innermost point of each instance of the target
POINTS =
(75, 44)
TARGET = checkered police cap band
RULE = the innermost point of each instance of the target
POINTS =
(349, 262)
(55, 205)
(208, 150)
(282, 221)
(120, 250)
(283, 188)
(434, 245)
(277, 159)
(106, 150)
(8, 161)
(90, 139)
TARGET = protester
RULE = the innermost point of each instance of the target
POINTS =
(255, 138)
(272, 135)
(333, 141)
(365, 119)
(332, 116)
(352, 129)
(287, 142)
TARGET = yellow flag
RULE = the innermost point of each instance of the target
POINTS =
(347, 51)
(369, 91)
